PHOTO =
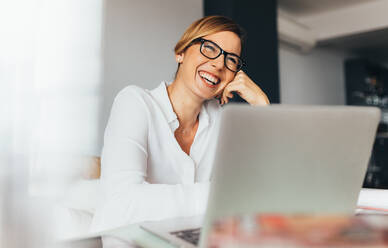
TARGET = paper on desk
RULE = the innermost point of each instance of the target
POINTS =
(373, 201)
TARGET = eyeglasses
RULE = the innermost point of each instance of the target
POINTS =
(211, 50)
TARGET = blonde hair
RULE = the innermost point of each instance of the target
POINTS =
(206, 26)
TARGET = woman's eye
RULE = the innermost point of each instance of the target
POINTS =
(232, 60)
(210, 48)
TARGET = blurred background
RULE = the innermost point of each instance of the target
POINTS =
(62, 62)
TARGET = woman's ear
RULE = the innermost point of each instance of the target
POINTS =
(179, 58)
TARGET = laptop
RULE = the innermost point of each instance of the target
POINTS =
(282, 159)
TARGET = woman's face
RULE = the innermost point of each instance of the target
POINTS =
(195, 68)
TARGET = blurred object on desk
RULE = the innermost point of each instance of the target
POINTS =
(276, 230)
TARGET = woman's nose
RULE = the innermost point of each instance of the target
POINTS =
(218, 62)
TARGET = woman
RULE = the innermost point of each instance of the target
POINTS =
(159, 145)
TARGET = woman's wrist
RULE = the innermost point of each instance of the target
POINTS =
(261, 100)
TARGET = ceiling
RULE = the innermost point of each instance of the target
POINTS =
(372, 43)
(304, 8)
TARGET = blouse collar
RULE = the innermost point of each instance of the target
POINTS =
(161, 96)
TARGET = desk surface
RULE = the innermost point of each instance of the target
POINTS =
(300, 230)
(133, 234)
(361, 231)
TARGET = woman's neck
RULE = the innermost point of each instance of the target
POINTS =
(186, 105)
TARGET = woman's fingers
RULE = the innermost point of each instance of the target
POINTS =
(229, 89)
(246, 88)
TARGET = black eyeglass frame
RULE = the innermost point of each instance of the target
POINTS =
(225, 53)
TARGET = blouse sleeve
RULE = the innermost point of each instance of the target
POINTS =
(126, 197)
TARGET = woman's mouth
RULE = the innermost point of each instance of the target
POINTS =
(209, 79)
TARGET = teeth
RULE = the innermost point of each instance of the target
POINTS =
(211, 79)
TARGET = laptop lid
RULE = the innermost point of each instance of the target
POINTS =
(290, 159)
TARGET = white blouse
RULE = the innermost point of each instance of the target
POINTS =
(145, 174)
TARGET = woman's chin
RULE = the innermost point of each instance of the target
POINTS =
(205, 94)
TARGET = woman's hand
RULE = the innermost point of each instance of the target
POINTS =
(246, 88)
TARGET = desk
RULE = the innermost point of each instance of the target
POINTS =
(301, 231)
(274, 231)
(133, 234)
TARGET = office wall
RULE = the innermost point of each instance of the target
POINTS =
(316, 77)
(138, 42)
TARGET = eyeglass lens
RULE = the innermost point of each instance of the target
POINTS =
(212, 51)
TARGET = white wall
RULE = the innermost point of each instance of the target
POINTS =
(313, 78)
(138, 43)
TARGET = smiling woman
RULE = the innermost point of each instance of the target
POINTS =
(159, 144)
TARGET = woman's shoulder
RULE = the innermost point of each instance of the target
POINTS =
(131, 102)
(133, 98)
(133, 95)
